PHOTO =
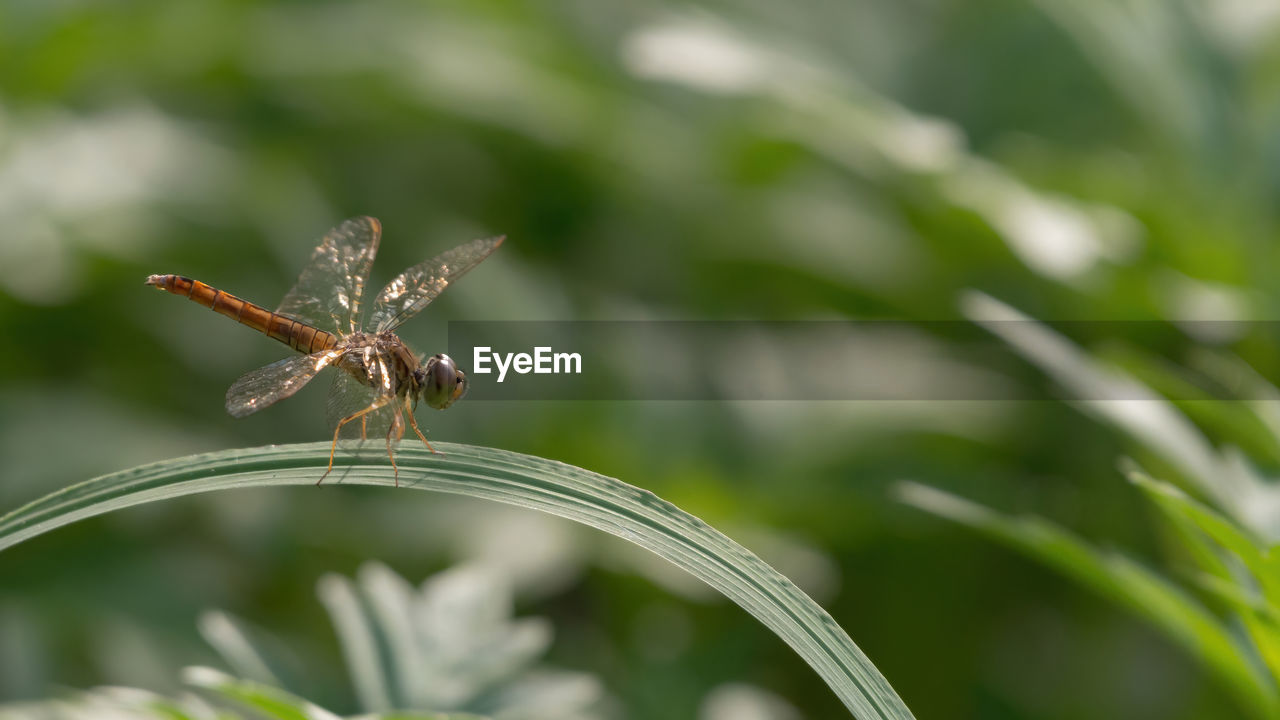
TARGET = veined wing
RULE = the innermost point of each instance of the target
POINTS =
(414, 288)
(327, 294)
(275, 382)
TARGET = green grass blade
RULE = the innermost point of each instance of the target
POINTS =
(522, 480)
(1161, 602)
(1148, 418)
(1249, 586)
(1180, 507)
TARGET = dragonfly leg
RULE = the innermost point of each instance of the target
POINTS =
(414, 423)
(334, 447)
(397, 428)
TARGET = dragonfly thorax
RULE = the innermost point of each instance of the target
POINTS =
(383, 359)
(379, 360)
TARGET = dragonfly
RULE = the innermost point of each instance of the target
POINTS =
(380, 380)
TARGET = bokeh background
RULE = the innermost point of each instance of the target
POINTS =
(731, 159)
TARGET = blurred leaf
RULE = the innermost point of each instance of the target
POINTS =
(1252, 590)
(526, 481)
(1179, 506)
(269, 701)
(1156, 55)
(117, 703)
(262, 701)
(231, 641)
(275, 703)
(359, 646)
(1116, 397)
(451, 645)
(1259, 619)
(1121, 579)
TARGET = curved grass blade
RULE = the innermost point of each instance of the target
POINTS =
(515, 479)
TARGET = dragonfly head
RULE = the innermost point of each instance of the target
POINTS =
(440, 382)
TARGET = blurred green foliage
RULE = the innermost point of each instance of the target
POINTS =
(730, 159)
(450, 643)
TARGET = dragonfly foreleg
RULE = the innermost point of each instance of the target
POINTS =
(414, 424)
(377, 404)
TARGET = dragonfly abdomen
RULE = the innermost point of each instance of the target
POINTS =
(297, 335)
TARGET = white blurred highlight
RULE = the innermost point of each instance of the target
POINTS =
(857, 127)
(1247, 25)
(739, 701)
(86, 180)
(1209, 312)
(697, 53)
(1054, 236)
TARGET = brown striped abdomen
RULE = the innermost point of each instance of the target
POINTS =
(297, 335)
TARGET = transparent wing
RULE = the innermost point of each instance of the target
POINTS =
(348, 396)
(403, 297)
(327, 294)
(275, 382)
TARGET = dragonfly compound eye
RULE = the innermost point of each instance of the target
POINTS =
(445, 382)
(460, 386)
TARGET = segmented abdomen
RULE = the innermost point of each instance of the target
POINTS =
(297, 335)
